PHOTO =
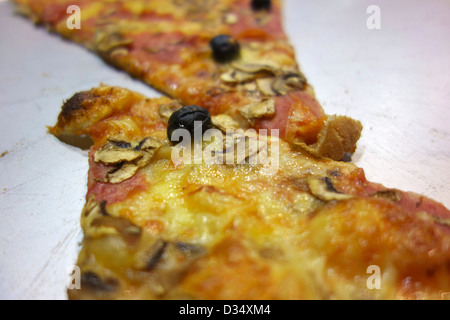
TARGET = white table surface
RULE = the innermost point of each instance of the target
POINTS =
(396, 80)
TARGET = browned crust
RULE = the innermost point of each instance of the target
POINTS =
(337, 137)
(88, 107)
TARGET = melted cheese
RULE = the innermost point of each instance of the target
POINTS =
(265, 237)
(236, 232)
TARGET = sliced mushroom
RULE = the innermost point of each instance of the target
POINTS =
(240, 147)
(230, 18)
(167, 262)
(247, 147)
(127, 158)
(388, 194)
(190, 249)
(254, 68)
(155, 254)
(241, 72)
(92, 281)
(265, 86)
(224, 122)
(147, 144)
(440, 220)
(250, 87)
(126, 170)
(256, 110)
(110, 39)
(166, 110)
(127, 230)
(113, 153)
(121, 172)
(121, 51)
(283, 84)
(324, 189)
(270, 80)
(96, 222)
(236, 76)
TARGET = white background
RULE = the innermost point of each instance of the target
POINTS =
(396, 80)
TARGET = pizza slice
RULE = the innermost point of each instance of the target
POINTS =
(229, 56)
(294, 227)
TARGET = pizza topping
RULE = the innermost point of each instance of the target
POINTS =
(224, 122)
(155, 254)
(103, 208)
(166, 110)
(96, 222)
(254, 67)
(128, 159)
(164, 252)
(283, 84)
(166, 261)
(250, 144)
(147, 144)
(324, 189)
(389, 194)
(129, 232)
(243, 72)
(240, 147)
(120, 144)
(265, 86)
(258, 5)
(224, 48)
(263, 108)
(230, 18)
(190, 249)
(119, 51)
(92, 281)
(106, 41)
(270, 80)
(235, 76)
(114, 152)
(191, 118)
(440, 220)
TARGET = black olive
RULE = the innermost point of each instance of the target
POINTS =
(261, 5)
(185, 118)
(224, 48)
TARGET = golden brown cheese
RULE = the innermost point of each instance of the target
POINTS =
(315, 229)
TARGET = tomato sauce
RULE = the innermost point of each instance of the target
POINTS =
(256, 25)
